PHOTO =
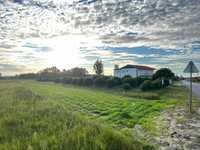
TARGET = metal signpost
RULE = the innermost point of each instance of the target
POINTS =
(191, 68)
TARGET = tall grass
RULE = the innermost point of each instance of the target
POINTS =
(33, 119)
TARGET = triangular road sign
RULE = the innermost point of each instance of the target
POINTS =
(191, 68)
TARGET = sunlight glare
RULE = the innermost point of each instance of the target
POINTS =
(65, 52)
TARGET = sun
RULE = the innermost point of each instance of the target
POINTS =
(65, 52)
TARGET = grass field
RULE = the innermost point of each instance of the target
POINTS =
(37, 115)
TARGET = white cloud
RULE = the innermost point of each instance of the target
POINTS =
(166, 24)
(162, 23)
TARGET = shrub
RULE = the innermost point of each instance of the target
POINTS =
(146, 85)
(74, 81)
(126, 86)
(100, 80)
(140, 80)
(130, 80)
(79, 81)
(151, 85)
(43, 78)
(156, 84)
(57, 80)
(66, 80)
(87, 82)
(113, 82)
(127, 76)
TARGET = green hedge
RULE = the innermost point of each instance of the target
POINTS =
(98, 81)
(149, 85)
(126, 83)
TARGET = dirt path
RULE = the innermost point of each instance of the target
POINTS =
(181, 130)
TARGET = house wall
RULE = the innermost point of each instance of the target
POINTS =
(124, 72)
(145, 72)
(133, 72)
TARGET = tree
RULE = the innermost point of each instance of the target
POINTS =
(163, 73)
(50, 70)
(98, 67)
(28, 76)
(49, 74)
(78, 72)
(75, 72)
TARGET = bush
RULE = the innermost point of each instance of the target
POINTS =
(127, 76)
(100, 81)
(130, 80)
(67, 80)
(126, 86)
(79, 81)
(140, 80)
(76, 81)
(156, 84)
(58, 80)
(151, 85)
(87, 82)
(146, 85)
(113, 82)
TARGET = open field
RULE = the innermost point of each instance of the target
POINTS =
(37, 115)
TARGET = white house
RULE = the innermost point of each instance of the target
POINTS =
(133, 71)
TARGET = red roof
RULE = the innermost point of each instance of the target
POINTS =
(137, 67)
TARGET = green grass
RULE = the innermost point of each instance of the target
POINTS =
(116, 109)
(37, 115)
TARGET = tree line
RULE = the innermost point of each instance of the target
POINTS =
(80, 76)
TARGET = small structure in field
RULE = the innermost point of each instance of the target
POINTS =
(133, 71)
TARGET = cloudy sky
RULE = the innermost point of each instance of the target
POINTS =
(35, 34)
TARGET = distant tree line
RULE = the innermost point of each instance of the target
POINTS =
(80, 76)
(53, 73)
(126, 83)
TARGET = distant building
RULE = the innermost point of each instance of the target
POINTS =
(133, 71)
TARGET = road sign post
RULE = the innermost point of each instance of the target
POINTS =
(190, 97)
(191, 68)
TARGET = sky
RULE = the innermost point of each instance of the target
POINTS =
(35, 34)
